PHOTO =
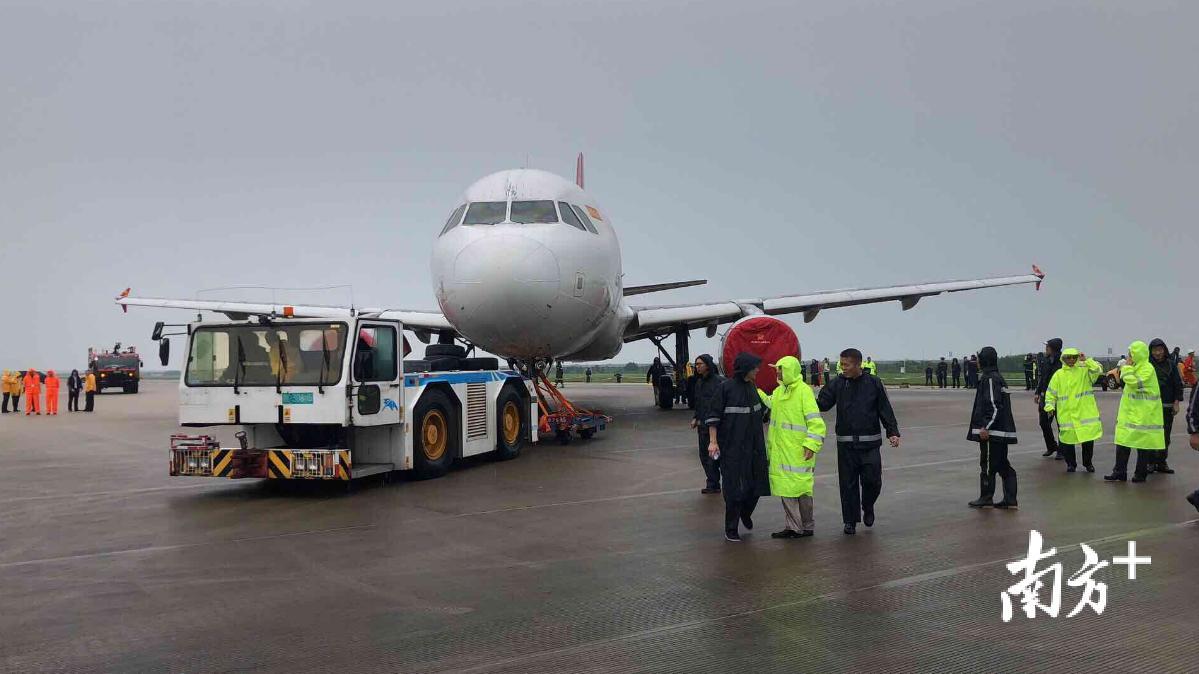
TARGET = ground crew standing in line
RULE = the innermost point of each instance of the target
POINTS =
(74, 385)
(828, 372)
(52, 385)
(814, 371)
(735, 437)
(1139, 421)
(18, 388)
(33, 392)
(862, 404)
(796, 435)
(1070, 397)
(928, 375)
(993, 428)
(870, 366)
(956, 369)
(1193, 431)
(6, 389)
(942, 372)
(1048, 366)
(707, 380)
(1029, 366)
(1169, 382)
(1188, 369)
(558, 374)
(89, 391)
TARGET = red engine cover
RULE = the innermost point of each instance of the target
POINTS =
(765, 337)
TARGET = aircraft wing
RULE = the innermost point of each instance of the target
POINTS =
(414, 320)
(658, 320)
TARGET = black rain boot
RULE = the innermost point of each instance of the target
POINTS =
(1120, 470)
(1193, 499)
(1009, 493)
(986, 492)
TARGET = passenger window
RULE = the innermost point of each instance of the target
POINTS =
(454, 219)
(375, 356)
(586, 220)
(486, 213)
(569, 217)
(533, 212)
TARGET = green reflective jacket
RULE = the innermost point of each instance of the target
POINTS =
(1139, 423)
(1071, 394)
(795, 425)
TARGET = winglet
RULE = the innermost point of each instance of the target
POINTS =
(579, 171)
(123, 295)
(1039, 274)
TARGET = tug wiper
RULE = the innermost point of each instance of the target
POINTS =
(320, 382)
(241, 365)
(282, 366)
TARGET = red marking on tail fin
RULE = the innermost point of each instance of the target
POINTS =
(579, 171)
(1039, 274)
(124, 293)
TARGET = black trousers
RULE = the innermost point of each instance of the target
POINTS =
(957, 380)
(1145, 458)
(90, 398)
(992, 461)
(860, 474)
(1168, 424)
(5, 408)
(1028, 382)
(711, 466)
(1088, 452)
(734, 509)
(1047, 430)
(928, 379)
(940, 380)
(72, 401)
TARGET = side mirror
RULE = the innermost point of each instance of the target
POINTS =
(164, 351)
(157, 334)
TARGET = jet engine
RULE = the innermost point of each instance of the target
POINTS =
(765, 337)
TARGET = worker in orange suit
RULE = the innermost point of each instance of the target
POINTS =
(52, 383)
(33, 392)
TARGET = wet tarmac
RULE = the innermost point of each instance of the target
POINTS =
(600, 556)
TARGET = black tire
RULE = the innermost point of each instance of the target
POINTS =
(434, 459)
(480, 364)
(435, 351)
(445, 365)
(666, 392)
(587, 433)
(133, 387)
(563, 436)
(507, 447)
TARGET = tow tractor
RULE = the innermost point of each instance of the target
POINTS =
(321, 399)
(335, 399)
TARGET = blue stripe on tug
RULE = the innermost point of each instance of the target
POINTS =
(424, 379)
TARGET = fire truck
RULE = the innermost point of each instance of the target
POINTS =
(115, 368)
(335, 399)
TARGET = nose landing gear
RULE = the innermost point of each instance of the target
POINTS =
(559, 416)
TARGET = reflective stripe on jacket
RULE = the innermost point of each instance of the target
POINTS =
(1139, 422)
(1071, 395)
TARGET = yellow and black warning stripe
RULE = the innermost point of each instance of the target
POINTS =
(222, 462)
(278, 464)
(343, 464)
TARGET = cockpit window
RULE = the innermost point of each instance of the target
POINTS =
(569, 217)
(454, 219)
(586, 220)
(533, 212)
(486, 213)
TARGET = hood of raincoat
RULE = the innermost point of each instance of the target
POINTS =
(743, 363)
(707, 358)
(789, 371)
(1158, 341)
(1071, 352)
(988, 358)
(51, 373)
(1138, 352)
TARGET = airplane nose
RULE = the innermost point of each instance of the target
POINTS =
(503, 286)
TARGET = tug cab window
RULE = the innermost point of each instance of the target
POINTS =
(454, 219)
(486, 213)
(533, 212)
(569, 217)
(586, 220)
(375, 356)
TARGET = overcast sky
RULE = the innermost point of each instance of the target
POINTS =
(769, 147)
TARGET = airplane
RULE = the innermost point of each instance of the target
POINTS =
(528, 267)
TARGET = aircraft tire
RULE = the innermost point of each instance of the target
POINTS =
(666, 393)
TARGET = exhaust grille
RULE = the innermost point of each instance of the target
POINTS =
(476, 411)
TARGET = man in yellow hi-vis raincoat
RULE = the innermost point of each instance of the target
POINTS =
(1071, 397)
(1139, 423)
(796, 435)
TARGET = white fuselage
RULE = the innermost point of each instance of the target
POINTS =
(520, 286)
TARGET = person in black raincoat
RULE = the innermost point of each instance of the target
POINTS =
(1170, 383)
(1049, 364)
(707, 380)
(736, 437)
(994, 429)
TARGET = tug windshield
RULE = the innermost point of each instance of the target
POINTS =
(266, 355)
